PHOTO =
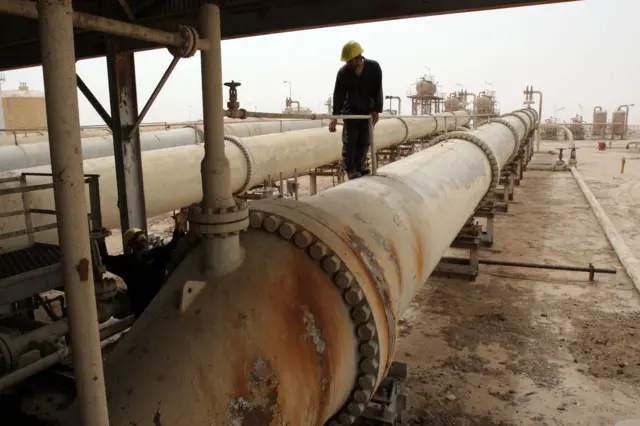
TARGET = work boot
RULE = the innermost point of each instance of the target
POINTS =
(354, 175)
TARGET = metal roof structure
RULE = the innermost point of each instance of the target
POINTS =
(19, 46)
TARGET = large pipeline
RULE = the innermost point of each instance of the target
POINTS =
(305, 330)
(172, 176)
(15, 157)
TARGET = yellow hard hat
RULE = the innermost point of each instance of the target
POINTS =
(130, 234)
(350, 50)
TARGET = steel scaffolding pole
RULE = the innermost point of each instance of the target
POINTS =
(126, 143)
(61, 94)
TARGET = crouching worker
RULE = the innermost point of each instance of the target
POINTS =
(143, 270)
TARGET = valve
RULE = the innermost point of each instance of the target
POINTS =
(233, 103)
(573, 160)
(234, 110)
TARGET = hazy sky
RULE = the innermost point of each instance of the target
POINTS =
(580, 53)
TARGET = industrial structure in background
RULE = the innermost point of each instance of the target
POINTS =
(231, 337)
(22, 109)
(424, 97)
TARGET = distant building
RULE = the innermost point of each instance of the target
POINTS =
(23, 109)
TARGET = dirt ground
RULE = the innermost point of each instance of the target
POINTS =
(527, 346)
(536, 347)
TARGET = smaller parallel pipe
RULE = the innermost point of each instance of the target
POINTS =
(106, 332)
(628, 260)
(547, 266)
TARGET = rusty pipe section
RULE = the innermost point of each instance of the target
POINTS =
(304, 332)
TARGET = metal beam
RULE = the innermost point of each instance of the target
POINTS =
(127, 153)
(95, 103)
(154, 95)
(63, 120)
(245, 21)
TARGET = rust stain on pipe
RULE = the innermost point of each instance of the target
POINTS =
(268, 345)
(82, 267)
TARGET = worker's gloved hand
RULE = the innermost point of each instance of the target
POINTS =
(376, 117)
(332, 125)
(180, 219)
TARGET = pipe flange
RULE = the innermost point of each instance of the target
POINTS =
(527, 127)
(219, 222)
(534, 114)
(516, 137)
(189, 42)
(493, 161)
(199, 133)
(444, 137)
(455, 122)
(354, 299)
(247, 157)
(435, 120)
(406, 129)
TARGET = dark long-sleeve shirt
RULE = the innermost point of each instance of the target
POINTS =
(358, 94)
(144, 275)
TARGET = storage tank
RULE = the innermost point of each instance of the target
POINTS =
(618, 121)
(599, 122)
(23, 109)
(576, 125)
(484, 105)
(451, 104)
(425, 88)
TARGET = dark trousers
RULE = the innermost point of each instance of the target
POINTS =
(355, 145)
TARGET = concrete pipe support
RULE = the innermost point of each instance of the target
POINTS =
(14, 157)
(172, 176)
(305, 331)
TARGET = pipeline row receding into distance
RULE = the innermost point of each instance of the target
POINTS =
(304, 331)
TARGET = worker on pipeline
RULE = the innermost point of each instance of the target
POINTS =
(144, 269)
(358, 91)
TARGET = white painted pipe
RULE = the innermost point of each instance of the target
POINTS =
(172, 176)
(628, 260)
(350, 260)
(14, 157)
(565, 129)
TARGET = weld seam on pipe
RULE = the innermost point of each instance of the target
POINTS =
(526, 126)
(516, 137)
(627, 259)
(198, 132)
(493, 160)
(247, 157)
(406, 129)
